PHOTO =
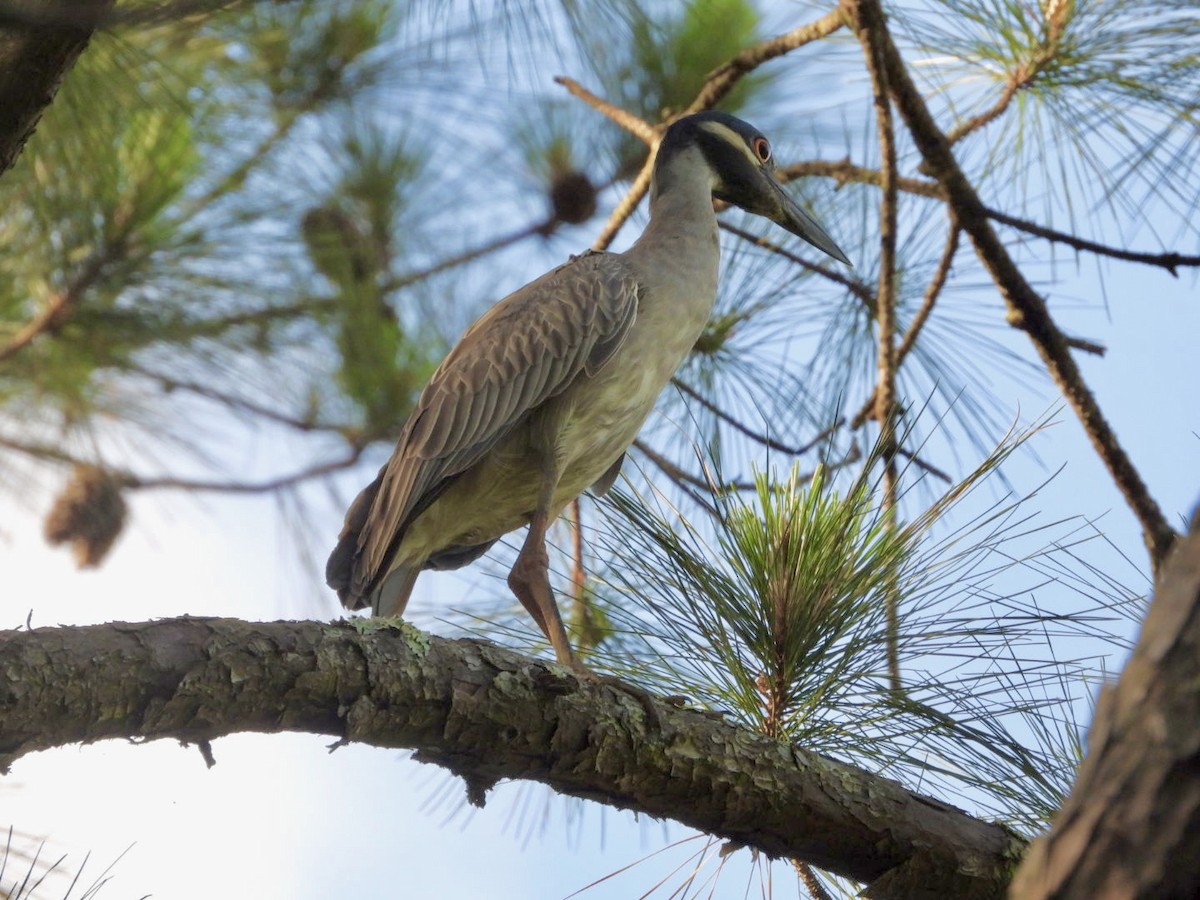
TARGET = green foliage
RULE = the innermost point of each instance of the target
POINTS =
(810, 573)
(672, 57)
(779, 621)
(309, 54)
(351, 239)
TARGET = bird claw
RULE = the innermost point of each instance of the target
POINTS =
(648, 701)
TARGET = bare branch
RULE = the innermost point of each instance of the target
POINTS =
(635, 125)
(55, 313)
(758, 437)
(932, 292)
(683, 479)
(131, 481)
(1169, 261)
(857, 288)
(721, 81)
(623, 210)
(885, 313)
(469, 255)
(844, 172)
(1026, 310)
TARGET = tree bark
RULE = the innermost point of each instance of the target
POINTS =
(1131, 827)
(35, 54)
(487, 713)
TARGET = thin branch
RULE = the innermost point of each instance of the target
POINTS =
(469, 255)
(722, 80)
(845, 172)
(885, 315)
(758, 437)
(624, 209)
(131, 481)
(1169, 261)
(857, 288)
(1026, 310)
(232, 401)
(635, 125)
(921, 464)
(641, 184)
(137, 482)
(684, 480)
(55, 313)
(932, 292)
(1011, 86)
(1019, 78)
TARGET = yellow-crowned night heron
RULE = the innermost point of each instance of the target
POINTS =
(542, 396)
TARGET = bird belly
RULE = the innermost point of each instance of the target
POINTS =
(500, 494)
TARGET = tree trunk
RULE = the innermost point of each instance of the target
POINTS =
(1131, 827)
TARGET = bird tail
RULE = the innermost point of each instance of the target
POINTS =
(392, 596)
(340, 569)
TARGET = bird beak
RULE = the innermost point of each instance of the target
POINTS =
(780, 208)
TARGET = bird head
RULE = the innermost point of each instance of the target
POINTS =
(742, 165)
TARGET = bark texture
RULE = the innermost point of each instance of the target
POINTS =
(1131, 827)
(38, 45)
(487, 713)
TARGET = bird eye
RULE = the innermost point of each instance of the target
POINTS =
(762, 149)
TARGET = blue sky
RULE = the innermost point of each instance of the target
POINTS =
(281, 817)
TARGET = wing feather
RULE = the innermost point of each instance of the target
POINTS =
(528, 348)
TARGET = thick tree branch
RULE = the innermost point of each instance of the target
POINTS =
(1026, 309)
(1131, 827)
(485, 713)
(33, 60)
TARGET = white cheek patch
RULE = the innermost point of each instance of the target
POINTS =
(731, 137)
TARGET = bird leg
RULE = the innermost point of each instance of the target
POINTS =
(530, 577)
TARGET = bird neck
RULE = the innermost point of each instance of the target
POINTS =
(683, 226)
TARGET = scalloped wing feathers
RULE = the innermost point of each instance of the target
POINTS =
(529, 347)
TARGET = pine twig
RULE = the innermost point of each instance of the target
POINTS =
(1172, 262)
(132, 481)
(857, 288)
(845, 172)
(885, 312)
(757, 437)
(55, 313)
(635, 125)
(722, 80)
(469, 255)
(1026, 310)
